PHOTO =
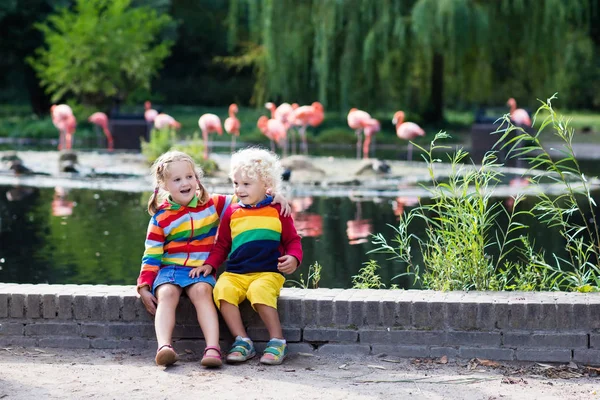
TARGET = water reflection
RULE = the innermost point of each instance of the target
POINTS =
(307, 224)
(358, 230)
(61, 205)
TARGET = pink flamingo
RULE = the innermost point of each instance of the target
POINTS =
(285, 114)
(372, 126)
(64, 120)
(100, 119)
(274, 130)
(149, 113)
(407, 131)
(209, 123)
(359, 120)
(232, 125)
(304, 116)
(165, 121)
(518, 115)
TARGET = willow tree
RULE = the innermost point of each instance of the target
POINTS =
(403, 53)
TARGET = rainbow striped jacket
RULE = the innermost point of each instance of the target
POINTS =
(181, 235)
(253, 238)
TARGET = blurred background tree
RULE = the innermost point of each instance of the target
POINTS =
(100, 50)
(425, 56)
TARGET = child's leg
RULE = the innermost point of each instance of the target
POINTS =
(168, 297)
(263, 294)
(202, 298)
(233, 318)
(270, 316)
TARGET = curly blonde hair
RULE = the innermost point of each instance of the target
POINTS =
(160, 174)
(260, 164)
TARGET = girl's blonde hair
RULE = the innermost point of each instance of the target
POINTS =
(260, 164)
(160, 174)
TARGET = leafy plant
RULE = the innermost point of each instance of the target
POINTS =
(573, 212)
(161, 141)
(367, 277)
(195, 148)
(100, 49)
(313, 278)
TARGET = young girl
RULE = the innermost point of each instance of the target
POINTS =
(261, 246)
(180, 235)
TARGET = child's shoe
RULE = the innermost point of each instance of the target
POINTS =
(275, 352)
(241, 351)
(211, 361)
(165, 355)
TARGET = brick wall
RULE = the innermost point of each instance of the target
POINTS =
(545, 327)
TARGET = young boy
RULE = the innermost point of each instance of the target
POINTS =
(261, 246)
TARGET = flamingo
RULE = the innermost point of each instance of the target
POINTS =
(149, 113)
(64, 120)
(165, 121)
(100, 119)
(311, 115)
(518, 115)
(274, 130)
(209, 123)
(232, 125)
(407, 131)
(358, 120)
(372, 126)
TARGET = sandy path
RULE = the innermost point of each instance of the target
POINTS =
(54, 373)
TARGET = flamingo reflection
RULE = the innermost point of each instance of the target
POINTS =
(61, 206)
(358, 229)
(307, 224)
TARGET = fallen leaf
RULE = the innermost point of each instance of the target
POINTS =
(488, 363)
(306, 354)
(376, 366)
(573, 365)
(289, 370)
(443, 360)
(188, 351)
(343, 366)
(390, 360)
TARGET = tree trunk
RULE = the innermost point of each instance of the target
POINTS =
(434, 111)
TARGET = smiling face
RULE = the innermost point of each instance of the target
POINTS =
(249, 191)
(181, 182)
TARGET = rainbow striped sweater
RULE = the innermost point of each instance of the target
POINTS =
(181, 235)
(253, 238)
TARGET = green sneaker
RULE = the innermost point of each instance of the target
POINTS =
(240, 351)
(275, 352)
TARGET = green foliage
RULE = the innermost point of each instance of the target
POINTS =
(161, 141)
(312, 280)
(573, 212)
(460, 217)
(367, 277)
(380, 54)
(195, 148)
(99, 50)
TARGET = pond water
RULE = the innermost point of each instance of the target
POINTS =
(84, 236)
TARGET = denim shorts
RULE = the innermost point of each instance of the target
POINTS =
(179, 276)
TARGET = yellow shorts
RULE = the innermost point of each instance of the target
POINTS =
(257, 287)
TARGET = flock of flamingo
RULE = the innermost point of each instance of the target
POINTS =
(283, 119)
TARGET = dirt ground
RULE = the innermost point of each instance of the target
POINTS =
(68, 374)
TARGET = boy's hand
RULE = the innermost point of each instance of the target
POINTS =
(287, 264)
(148, 299)
(286, 210)
(204, 269)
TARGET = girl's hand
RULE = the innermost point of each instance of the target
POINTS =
(286, 210)
(287, 264)
(204, 270)
(148, 299)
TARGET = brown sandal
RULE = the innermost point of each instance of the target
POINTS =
(212, 361)
(165, 355)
